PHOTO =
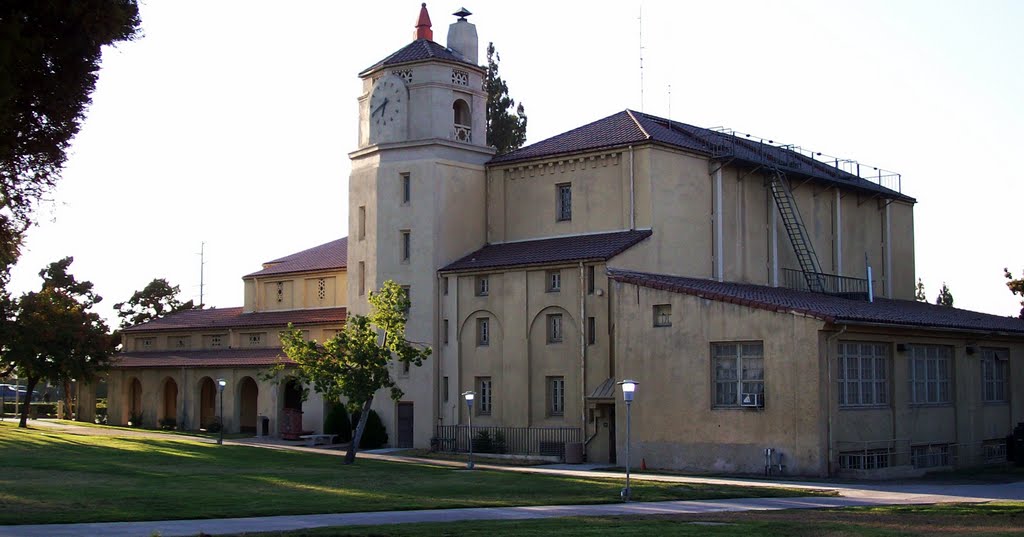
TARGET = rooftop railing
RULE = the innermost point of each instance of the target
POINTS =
(832, 284)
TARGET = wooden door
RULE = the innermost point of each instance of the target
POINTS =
(405, 425)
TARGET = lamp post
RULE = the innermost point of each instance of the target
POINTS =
(221, 383)
(628, 387)
(469, 395)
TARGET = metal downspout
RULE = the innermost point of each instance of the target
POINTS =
(632, 192)
(583, 349)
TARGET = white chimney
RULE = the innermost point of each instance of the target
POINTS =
(462, 37)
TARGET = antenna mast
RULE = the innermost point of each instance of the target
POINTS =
(670, 102)
(641, 18)
(202, 263)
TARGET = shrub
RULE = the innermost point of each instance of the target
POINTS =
(214, 426)
(168, 424)
(483, 443)
(337, 422)
(135, 420)
(375, 435)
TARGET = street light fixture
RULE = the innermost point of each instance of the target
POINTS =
(469, 395)
(628, 387)
(221, 383)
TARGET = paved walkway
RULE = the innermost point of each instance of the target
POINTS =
(850, 494)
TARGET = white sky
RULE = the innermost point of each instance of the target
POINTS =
(230, 122)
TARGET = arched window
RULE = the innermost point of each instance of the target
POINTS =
(463, 128)
(462, 115)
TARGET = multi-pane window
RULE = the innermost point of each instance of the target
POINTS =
(929, 373)
(556, 396)
(483, 331)
(591, 330)
(555, 328)
(993, 375)
(361, 225)
(663, 315)
(864, 460)
(406, 245)
(863, 373)
(406, 188)
(739, 373)
(483, 286)
(930, 456)
(483, 395)
(564, 201)
(554, 281)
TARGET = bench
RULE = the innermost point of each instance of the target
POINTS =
(314, 439)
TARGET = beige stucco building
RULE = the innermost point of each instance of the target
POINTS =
(762, 295)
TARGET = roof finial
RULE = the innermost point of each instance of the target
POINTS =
(423, 30)
(462, 14)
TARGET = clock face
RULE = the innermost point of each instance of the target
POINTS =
(388, 103)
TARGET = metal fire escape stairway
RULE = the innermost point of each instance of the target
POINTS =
(797, 231)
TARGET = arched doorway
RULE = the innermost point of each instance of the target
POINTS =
(248, 394)
(291, 413)
(134, 417)
(207, 403)
(169, 409)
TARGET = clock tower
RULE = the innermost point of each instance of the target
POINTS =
(417, 197)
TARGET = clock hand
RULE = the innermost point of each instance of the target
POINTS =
(382, 105)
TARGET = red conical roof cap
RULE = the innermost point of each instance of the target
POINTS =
(423, 30)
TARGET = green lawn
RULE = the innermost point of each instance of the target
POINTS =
(50, 476)
(994, 519)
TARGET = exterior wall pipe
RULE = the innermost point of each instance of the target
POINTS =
(583, 349)
(828, 396)
(719, 262)
(888, 251)
(839, 233)
(632, 192)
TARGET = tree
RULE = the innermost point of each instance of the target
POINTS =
(355, 364)
(945, 298)
(49, 59)
(53, 336)
(505, 132)
(1016, 287)
(158, 299)
(919, 292)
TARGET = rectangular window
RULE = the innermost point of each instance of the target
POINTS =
(362, 278)
(739, 374)
(483, 286)
(145, 343)
(663, 315)
(280, 291)
(444, 389)
(590, 280)
(931, 456)
(483, 395)
(863, 373)
(555, 328)
(564, 202)
(445, 285)
(408, 296)
(445, 336)
(483, 331)
(406, 188)
(406, 245)
(993, 375)
(215, 341)
(864, 460)
(556, 396)
(361, 224)
(554, 281)
(591, 330)
(929, 374)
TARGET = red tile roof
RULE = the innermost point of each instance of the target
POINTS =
(224, 318)
(827, 308)
(630, 127)
(209, 358)
(420, 50)
(328, 256)
(572, 248)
